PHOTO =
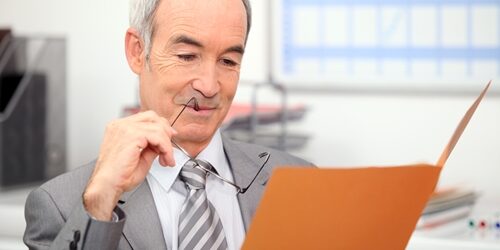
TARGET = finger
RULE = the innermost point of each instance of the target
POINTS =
(158, 139)
(166, 125)
(167, 161)
(152, 120)
(147, 156)
(155, 135)
(144, 116)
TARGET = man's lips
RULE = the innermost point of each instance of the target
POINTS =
(201, 107)
(195, 106)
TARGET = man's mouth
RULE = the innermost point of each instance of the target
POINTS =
(193, 103)
(196, 105)
(199, 108)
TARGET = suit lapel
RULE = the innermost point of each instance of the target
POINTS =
(244, 166)
(142, 228)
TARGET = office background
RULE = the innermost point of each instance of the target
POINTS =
(354, 125)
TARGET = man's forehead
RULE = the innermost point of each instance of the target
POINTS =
(221, 15)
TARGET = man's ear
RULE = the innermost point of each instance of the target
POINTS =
(135, 51)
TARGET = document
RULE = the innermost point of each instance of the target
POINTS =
(347, 208)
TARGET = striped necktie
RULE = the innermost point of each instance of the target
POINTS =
(199, 224)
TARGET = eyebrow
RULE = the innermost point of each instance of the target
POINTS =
(237, 48)
(191, 41)
(187, 40)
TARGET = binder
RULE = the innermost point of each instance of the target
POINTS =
(347, 208)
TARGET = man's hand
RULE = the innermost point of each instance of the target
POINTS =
(128, 149)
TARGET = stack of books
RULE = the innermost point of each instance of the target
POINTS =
(447, 205)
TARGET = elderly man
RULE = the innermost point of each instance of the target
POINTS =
(165, 177)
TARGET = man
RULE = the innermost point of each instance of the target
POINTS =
(139, 194)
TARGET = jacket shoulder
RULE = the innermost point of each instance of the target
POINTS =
(278, 157)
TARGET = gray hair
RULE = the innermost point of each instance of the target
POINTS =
(141, 18)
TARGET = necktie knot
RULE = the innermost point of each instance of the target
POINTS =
(194, 176)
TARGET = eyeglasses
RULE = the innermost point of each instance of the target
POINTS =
(207, 167)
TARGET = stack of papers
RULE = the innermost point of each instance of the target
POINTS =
(447, 205)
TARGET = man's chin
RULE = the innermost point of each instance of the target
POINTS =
(194, 135)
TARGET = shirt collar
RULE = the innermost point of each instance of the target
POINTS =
(213, 153)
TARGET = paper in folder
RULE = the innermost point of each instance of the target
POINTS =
(353, 208)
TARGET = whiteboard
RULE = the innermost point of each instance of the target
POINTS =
(386, 44)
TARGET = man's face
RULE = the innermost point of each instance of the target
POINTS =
(196, 51)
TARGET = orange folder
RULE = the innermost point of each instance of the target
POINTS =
(347, 208)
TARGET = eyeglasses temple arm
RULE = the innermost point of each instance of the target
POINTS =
(196, 107)
(243, 190)
(238, 189)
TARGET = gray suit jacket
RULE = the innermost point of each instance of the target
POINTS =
(56, 219)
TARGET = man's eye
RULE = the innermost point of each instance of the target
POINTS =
(229, 62)
(186, 57)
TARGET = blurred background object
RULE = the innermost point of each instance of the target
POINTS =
(32, 109)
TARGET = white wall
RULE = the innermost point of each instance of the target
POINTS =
(346, 128)
(355, 130)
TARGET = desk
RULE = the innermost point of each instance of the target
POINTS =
(457, 235)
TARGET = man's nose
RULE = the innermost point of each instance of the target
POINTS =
(207, 82)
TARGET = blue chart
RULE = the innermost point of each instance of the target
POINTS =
(391, 42)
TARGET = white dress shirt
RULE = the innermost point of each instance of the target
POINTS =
(169, 194)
